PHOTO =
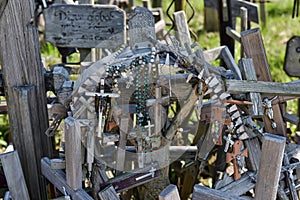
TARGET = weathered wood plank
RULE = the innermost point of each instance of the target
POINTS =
(248, 71)
(270, 167)
(201, 192)
(169, 193)
(109, 193)
(254, 48)
(182, 33)
(241, 186)
(14, 175)
(266, 88)
(85, 26)
(73, 154)
(58, 179)
(24, 140)
(21, 65)
(254, 154)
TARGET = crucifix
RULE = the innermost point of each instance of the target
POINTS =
(237, 156)
(100, 98)
(228, 143)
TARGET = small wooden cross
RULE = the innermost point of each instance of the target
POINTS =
(236, 156)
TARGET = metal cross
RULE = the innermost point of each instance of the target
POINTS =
(149, 126)
(236, 157)
(229, 142)
(151, 173)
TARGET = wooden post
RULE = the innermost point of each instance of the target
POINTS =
(86, 54)
(244, 24)
(211, 21)
(270, 167)
(180, 5)
(262, 12)
(21, 62)
(73, 154)
(254, 48)
(14, 176)
(225, 19)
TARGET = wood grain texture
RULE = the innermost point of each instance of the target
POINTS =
(108, 193)
(201, 192)
(58, 179)
(249, 74)
(270, 167)
(266, 88)
(169, 193)
(14, 176)
(182, 30)
(73, 154)
(2, 6)
(22, 66)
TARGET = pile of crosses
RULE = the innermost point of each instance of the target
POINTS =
(158, 112)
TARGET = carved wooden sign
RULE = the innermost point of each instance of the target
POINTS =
(85, 26)
(292, 57)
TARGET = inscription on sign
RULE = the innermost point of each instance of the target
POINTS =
(85, 26)
(141, 28)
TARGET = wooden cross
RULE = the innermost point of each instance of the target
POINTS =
(236, 157)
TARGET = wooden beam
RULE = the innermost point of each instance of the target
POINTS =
(202, 192)
(233, 34)
(169, 193)
(73, 154)
(270, 167)
(248, 71)
(14, 176)
(266, 88)
(58, 179)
